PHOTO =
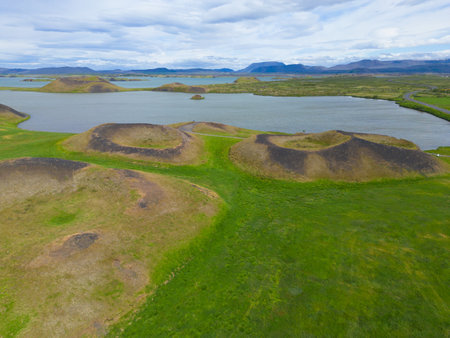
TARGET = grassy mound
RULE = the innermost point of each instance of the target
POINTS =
(140, 141)
(197, 97)
(180, 87)
(333, 155)
(80, 84)
(246, 79)
(10, 115)
(78, 242)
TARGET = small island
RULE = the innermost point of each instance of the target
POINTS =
(197, 97)
(80, 84)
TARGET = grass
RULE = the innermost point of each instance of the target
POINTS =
(286, 258)
(315, 259)
(443, 102)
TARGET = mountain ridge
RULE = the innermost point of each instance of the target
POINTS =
(268, 67)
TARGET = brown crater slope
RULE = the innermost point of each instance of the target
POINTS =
(10, 115)
(142, 141)
(80, 84)
(335, 155)
(78, 242)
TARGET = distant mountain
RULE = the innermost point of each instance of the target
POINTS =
(180, 71)
(363, 66)
(255, 67)
(50, 71)
(398, 66)
(271, 67)
(280, 68)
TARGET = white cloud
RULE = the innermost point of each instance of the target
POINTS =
(214, 33)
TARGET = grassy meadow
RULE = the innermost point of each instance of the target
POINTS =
(284, 258)
(443, 101)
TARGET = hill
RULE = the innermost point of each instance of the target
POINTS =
(82, 84)
(180, 87)
(141, 141)
(88, 239)
(334, 155)
(10, 115)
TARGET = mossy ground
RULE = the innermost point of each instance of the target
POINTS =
(287, 258)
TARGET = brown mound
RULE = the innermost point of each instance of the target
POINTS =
(91, 242)
(8, 114)
(26, 177)
(180, 87)
(333, 155)
(80, 84)
(140, 141)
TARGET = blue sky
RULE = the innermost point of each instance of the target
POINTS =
(139, 34)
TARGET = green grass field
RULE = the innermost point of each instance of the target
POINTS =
(286, 258)
(443, 102)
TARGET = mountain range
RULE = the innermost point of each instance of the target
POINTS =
(359, 67)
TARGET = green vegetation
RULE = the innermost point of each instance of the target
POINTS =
(284, 258)
(443, 101)
(177, 87)
(389, 88)
(246, 79)
(197, 97)
(416, 106)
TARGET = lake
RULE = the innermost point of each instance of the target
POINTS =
(80, 112)
(141, 82)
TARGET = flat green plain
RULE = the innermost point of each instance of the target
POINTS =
(287, 258)
(443, 102)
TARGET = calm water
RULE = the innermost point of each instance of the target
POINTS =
(152, 82)
(79, 112)
(19, 82)
(141, 82)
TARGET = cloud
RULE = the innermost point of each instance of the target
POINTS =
(217, 33)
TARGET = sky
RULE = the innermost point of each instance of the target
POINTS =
(142, 34)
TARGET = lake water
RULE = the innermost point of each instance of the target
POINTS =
(153, 82)
(141, 82)
(19, 82)
(80, 112)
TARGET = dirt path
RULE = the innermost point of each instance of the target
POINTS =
(407, 97)
(188, 128)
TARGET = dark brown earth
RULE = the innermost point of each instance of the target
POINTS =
(151, 193)
(75, 243)
(355, 159)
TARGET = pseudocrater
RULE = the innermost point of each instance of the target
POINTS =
(335, 155)
(79, 242)
(141, 141)
(10, 115)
